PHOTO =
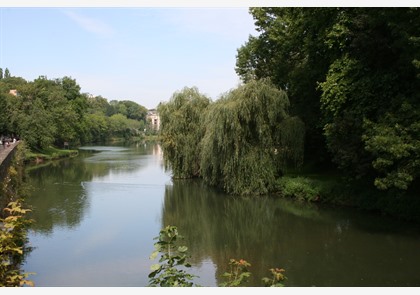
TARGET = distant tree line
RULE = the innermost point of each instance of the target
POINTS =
(48, 112)
(6, 73)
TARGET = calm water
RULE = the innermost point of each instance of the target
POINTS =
(96, 217)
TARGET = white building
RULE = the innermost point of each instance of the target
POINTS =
(154, 119)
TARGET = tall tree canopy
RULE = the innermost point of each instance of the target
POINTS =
(250, 139)
(7, 73)
(352, 75)
(290, 50)
(182, 131)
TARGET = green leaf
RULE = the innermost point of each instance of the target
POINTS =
(153, 255)
(182, 249)
(155, 267)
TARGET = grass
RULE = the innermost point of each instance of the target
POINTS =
(50, 153)
(330, 187)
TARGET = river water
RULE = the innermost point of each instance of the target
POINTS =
(96, 217)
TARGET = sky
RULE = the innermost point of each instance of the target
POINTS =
(138, 50)
(142, 54)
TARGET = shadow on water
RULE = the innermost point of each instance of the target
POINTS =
(317, 246)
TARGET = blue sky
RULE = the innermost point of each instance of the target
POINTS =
(140, 54)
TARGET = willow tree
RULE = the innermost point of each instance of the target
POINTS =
(250, 139)
(182, 130)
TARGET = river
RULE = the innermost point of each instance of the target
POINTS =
(96, 217)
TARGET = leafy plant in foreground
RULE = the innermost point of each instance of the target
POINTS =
(12, 239)
(276, 279)
(238, 273)
(173, 257)
(169, 272)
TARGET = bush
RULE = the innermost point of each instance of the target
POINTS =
(300, 188)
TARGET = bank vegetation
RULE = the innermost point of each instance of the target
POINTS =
(328, 111)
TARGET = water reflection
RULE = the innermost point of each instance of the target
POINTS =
(96, 216)
(316, 246)
(59, 195)
(58, 199)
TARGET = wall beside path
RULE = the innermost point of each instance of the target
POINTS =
(6, 156)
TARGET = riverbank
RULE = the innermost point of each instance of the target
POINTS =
(74, 199)
(48, 154)
(328, 187)
(54, 153)
(335, 190)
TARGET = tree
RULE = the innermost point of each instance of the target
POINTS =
(97, 104)
(395, 145)
(368, 91)
(345, 70)
(6, 73)
(1, 73)
(70, 86)
(250, 139)
(290, 50)
(170, 272)
(97, 128)
(182, 130)
(134, 110)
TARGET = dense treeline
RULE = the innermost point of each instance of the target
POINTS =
(332, 89)
(47, 112)
(352, 76)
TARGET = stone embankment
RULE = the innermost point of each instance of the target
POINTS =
(6, 155)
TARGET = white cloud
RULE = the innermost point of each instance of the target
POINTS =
(91, 25)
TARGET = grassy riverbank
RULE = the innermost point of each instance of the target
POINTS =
(333, 189)
(54, 153)
(50, 153)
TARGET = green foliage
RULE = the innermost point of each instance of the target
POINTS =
(238, 273)
(395, 145)
(349, 73)
(13, 225)
(290, 50)
(50, 153)
(6, 73)
(169, 272)
(372, 80)
(50, 112)
(173, 260)
(250, 139)
(182, 131)
(241, 143)
(300, 188)
(12, 239)
(276, 279)
(134, 111)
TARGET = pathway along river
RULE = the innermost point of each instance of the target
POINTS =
(96, 216)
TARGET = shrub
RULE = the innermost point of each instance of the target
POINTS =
(300, 188)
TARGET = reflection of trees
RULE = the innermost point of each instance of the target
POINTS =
(119, 159)
(224, 229)
(315, 247)
(58, 197)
